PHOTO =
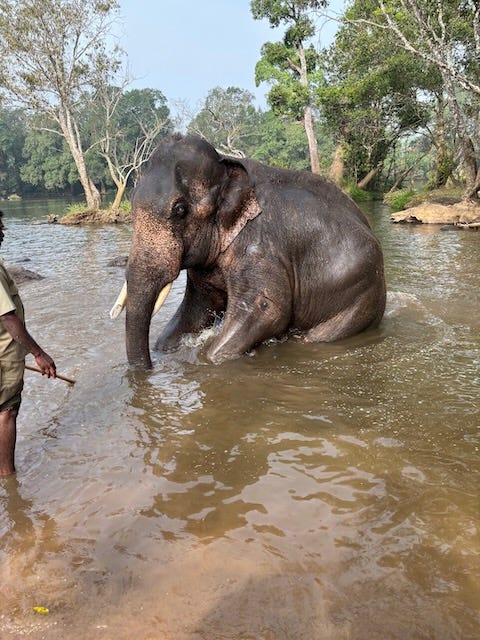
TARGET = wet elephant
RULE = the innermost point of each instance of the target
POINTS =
(272, 251)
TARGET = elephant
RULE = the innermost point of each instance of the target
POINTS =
(273, 252)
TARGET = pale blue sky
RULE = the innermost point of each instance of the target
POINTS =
(187, 47)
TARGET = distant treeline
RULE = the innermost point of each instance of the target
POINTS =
(393, 101)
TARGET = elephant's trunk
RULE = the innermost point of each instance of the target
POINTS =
(142, 293)
(154, 262)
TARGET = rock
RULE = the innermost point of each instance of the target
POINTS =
(461, 213)
(119, 261)
(20, 274)
(51, 219)
(468, 225)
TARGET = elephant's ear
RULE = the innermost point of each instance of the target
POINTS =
(237, 203)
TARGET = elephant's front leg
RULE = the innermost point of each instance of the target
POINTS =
(248, 321)
(200, 305)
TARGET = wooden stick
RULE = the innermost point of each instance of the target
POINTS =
(69, 380)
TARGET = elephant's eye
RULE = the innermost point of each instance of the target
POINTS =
(179, 209)
(262, 302)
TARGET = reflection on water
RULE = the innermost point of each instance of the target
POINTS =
(309, 491)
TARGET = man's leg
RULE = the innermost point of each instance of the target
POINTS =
(8, 436)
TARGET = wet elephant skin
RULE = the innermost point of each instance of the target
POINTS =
(270, 250)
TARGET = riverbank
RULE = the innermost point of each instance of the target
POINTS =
(97, 216)
(460, 214)
(438, 207)
(442, 206)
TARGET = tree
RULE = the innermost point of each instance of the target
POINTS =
(369, 99)
(290, 65)
(127, 126)
(51, 50)
(227, 120)
(47, 161)
(12, 138)
(282, 143)
(446, 36)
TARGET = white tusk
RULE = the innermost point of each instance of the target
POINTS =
(121, 301)
(162, 296)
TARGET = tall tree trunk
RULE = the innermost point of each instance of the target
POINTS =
(441, 170)
(312, 141)
(470, 168)
(72, 137)
(364, 182)
(119, 195)
(475, 190)
(120, 183)
(308, 116)
(399, 181)
(469, 160)
(337, 168)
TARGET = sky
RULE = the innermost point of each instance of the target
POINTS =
(187, 47)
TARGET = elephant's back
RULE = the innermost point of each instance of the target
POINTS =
(288, 191)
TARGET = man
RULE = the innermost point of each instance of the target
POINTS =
(15, 343)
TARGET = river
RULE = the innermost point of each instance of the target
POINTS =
(307, 492)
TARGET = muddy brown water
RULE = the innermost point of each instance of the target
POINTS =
(306, 492)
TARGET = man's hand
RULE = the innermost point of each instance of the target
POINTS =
(46, 365)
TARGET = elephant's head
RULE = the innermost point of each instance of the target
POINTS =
(188, 207)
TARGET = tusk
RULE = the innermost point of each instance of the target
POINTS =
(121, 301)
(162, 296)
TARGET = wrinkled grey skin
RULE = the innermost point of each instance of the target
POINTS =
(275, 251)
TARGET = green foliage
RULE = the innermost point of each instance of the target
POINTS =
(370, 97)
(48, 162)
(139, 110)
(76, 207)
(280, 66)
(288, 99)
(444, 170)
(51, 48)
(281, 143)
(52, 53)
(398, 200)
(291, 66)
(359, 195)
(125, 205)
(286, 11)
(444, 39)
(367, 93)
(120, 128)
(12, 136)
(228, 120)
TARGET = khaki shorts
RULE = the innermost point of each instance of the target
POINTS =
(11, 384)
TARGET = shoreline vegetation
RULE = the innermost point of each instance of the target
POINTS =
(444, 206)
(438, 207)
